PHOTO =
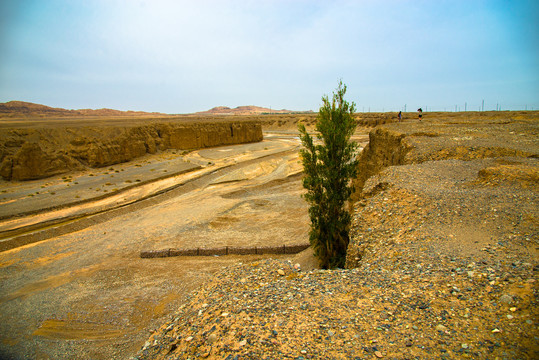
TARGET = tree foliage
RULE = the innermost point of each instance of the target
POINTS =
(329, 164)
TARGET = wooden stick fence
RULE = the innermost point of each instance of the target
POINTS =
(226, 250)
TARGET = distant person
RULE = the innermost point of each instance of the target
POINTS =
(420, 111)
(400, 115)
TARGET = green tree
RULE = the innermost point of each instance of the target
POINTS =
(329, 164)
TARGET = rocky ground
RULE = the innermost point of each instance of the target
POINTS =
(443, 263)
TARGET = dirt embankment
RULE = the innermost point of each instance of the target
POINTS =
(451, 203)
(365, 121)
(438, 160)
(448, 136)
(39, 147)
(38, 152)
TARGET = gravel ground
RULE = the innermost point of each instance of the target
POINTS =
(443, 264)
(270, 310)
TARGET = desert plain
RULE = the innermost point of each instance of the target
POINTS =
(442, 261)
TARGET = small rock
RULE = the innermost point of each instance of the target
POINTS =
(189, 338)
(441, 328)
(331, 333)
(494, 331)
(464, 345)
(303, 352)
(225, 314)
(509, 316)
(280, 272)
(242, 343)
(506, 299)
(212, 338)
(513, 309)
(378, 354)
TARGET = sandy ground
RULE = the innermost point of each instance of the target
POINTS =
(87, 294)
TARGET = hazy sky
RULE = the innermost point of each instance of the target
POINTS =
(186, 56)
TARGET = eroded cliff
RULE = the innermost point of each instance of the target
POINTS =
(463, 178)
(33, 153)
(451, 136)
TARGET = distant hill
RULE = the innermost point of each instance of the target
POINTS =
(21, 108)
(244, 110)
(15, 109)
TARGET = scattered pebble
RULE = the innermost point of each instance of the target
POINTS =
(212, 338)
(506, 299)
(441, 327)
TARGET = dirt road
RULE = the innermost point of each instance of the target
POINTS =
(88, 295)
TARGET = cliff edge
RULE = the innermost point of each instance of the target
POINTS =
(34, 152)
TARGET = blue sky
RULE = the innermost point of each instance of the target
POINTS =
(187, 56)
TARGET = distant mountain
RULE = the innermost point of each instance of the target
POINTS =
(21, 108)
(243, 110)
(14, 109)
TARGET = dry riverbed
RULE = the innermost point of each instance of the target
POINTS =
(87, 294)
